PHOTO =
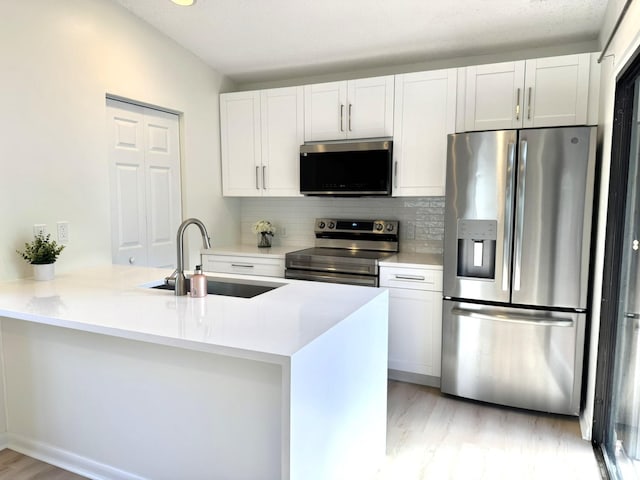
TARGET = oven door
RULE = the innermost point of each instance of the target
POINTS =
(332, 277)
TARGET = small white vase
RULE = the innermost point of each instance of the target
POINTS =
(44, 271)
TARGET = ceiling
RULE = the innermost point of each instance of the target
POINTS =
(259, 40)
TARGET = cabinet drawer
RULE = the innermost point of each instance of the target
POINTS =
(270, 267)
(411, 278)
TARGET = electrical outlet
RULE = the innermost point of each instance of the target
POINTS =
(39, 228)
(63, 232)
(282, 231)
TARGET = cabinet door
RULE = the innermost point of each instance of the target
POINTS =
(325, 111)
(556, 91)
(240, 144)
(369, 110)
(494, 96)
(282, 134)
(415, 330)
(425, 112)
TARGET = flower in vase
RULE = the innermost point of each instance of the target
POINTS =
(264, 226)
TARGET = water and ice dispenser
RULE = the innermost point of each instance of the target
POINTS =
(477, 248)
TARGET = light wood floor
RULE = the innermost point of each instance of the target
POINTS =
(15, 466)
(432, 436)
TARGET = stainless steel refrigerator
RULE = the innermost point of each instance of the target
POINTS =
(518, 216)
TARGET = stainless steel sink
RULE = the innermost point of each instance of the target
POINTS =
(231, 287)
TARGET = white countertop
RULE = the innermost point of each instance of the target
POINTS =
(250, 250)
(414, 260)
(113, 300)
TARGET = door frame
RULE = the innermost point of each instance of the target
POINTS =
(620, 150)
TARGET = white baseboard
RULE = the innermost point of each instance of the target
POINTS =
(416, 378)
(66, 459)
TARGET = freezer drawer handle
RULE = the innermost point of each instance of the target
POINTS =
(241, 265)
(496, 316)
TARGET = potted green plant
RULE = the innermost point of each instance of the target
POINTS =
(42, 253)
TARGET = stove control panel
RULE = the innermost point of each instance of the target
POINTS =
(324, 225)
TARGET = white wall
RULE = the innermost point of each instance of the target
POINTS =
(59, 60)
(626, 41)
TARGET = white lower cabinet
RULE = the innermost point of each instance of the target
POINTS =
(244, 265)
(415, 323)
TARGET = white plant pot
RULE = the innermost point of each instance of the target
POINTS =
(44, 272)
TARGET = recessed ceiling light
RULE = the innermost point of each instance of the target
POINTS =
(184, 3)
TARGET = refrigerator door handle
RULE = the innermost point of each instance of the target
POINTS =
(512, 318)
(517, 250)
(508, 219)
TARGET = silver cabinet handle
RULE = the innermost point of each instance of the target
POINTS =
(518, 106)
(342, 117)
(418, 278)
(529, 105)
(264, 182)
(508, 219)
(242, 265)
(395, 173)
(350, 117)
(512, 318)
(517, 251)
(257, 169)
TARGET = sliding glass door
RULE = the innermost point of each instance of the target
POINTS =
(622, 444)
(617, 416)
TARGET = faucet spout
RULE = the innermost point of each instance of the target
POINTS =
(181, 281)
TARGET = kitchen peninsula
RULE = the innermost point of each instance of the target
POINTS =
(112, 379)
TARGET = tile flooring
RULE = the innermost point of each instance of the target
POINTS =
(433, 436)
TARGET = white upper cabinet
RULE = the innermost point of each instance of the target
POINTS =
(360, 108)
(556, 91)
(282, 113)
(240, 143)
(261, 133)
(529, 93)
(425, 113)
(494, 96)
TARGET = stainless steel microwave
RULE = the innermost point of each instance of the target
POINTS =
(361, 168)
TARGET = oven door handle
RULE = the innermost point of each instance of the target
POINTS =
(328, 278)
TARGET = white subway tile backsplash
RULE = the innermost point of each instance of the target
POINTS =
(421, 218)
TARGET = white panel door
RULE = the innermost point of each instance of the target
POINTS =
(128, 203)
(369, 107)
(556, 91)
(163, 202)
(240, 144)
(425, 113)
(325, 111)
(282, 115)
(494, 96)
(144, 157)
